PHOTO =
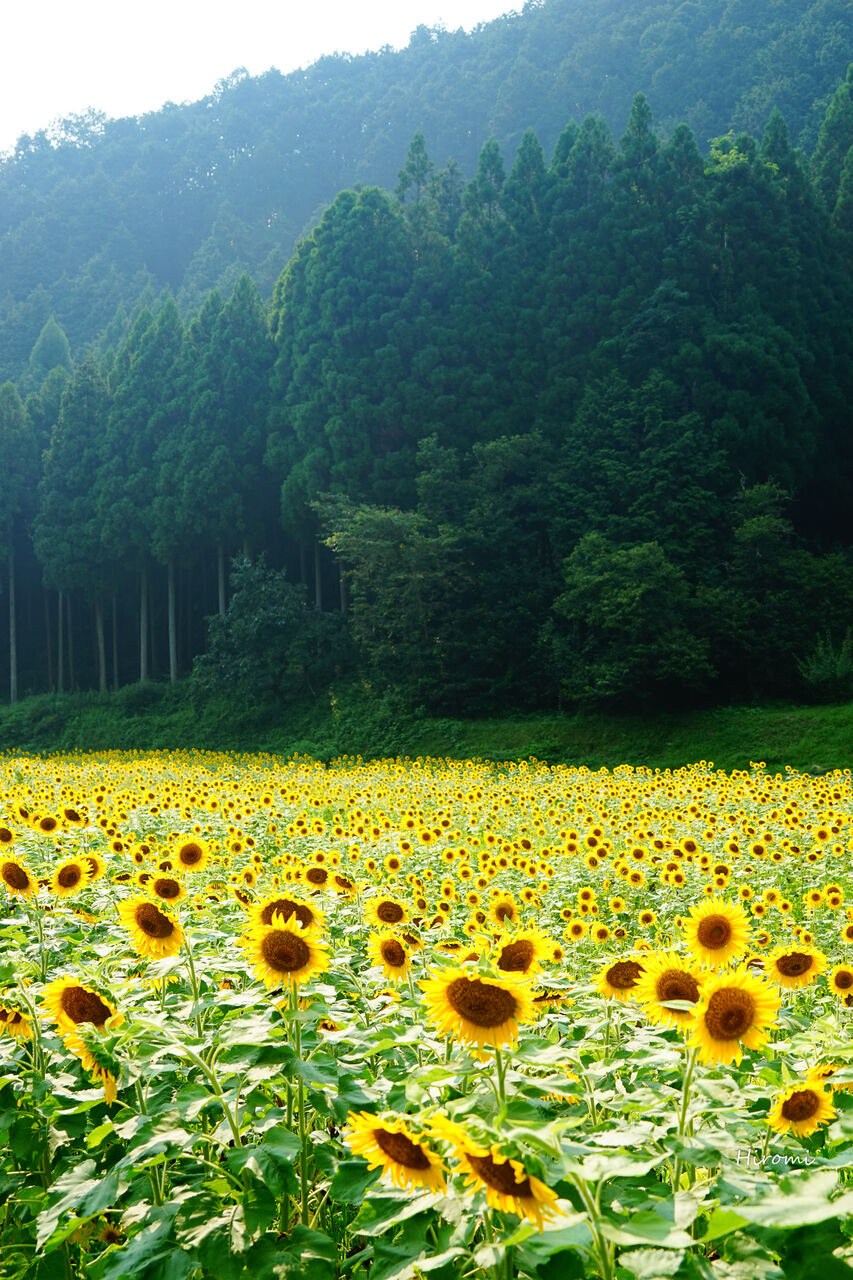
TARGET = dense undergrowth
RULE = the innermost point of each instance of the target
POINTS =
(352, 720)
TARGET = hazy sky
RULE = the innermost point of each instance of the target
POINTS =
(61, 56)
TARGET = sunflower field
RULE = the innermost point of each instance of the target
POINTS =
(263, 1019)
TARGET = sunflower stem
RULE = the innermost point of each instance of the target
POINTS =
(692, 1058)
(303, 1151)
(39, 919)
(501, 1070)
(194, 985)
(603, 1249)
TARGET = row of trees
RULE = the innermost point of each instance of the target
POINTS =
(579, 431)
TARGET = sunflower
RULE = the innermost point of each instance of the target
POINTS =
(70, 877)
(17, 878)
(317, 877)
(14, 1023)
(801, 1109)
(92, 1061)
(390, 1145)
(665, 977)
(735, 1010)
(153, 931)
(508, 1186)
(717, 931)
(617, 979)
(191, 856)
(522, 952)
(793, 966)
(284, 952)
(824, 1074)
(385, 910)
(94, 866)
(311, 920)
(167, 888)
(391, 953)
(69, 1004)
(503, 911)
(841, 981)
(478, 1010)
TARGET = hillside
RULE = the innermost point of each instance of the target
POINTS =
(97, 214)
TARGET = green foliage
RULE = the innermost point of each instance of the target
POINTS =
(827, 670)
(630, 634)
(401, 573)
(270, 647)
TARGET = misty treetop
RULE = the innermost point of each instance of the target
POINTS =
(98, 215)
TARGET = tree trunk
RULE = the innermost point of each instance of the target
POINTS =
(99, 638)
(303, 566)
(343, 585)
(152, 634)
(48, 639)
(115, 644)
(13, 633)
(72, 682)
(173, 632)
(220, 570)
(60, 653)
(188, 618)
(318, 578)
(143, 624)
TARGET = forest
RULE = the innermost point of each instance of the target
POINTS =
(565, 423)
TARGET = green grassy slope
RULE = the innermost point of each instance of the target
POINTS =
(354, 722)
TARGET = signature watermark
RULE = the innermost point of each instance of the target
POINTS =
(758, 1159)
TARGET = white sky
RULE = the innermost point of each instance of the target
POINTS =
(62, 56)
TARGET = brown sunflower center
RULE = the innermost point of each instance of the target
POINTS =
(401, 1149)
(316, 875)
(504, 911)
(190, 854)
(152, 922)
(69, 876)
(47, 824)
(6, 836)
(796, 964)
(677, 984)
(390, 912)
(165, 887)
(393, 953)
(15, 876)
(480, 1003)
(84, 1006)
(286, 908)
(343, 883)
(624, 974)
(730, 1013)
(284, 951)
(801, 1105)
(517, 957)
(714, 932)
(501, 1177)
(72, 815)
(844, 980)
